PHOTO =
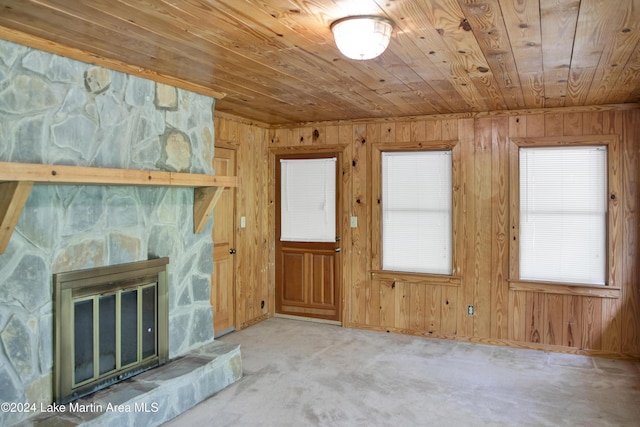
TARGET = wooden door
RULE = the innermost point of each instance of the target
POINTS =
(223, 278)
(308, 274)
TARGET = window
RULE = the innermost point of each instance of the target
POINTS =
(563, 214)
(417, 211)
(308, 200)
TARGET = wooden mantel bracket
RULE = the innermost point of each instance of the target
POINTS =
(204, 200)
(13, 196)
(16, 180)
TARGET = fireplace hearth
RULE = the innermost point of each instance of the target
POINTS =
(110, 324)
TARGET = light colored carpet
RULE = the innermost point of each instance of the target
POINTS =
(309, 374)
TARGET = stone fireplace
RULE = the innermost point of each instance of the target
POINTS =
(54, 110)
(110, 323)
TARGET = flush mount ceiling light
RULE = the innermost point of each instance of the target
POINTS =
(362, 37)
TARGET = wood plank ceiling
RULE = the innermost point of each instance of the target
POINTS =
(275, 60)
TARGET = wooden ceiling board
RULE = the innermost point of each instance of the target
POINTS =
(488, 27)
(629, 78)
(407, 80)
(416, 64)
(278, 83)
(468, 63)
(624, 38)
(275, 61)
(310, 69)
(558, 26)
(273, 86)
(457, 51)
(100, 39)
(522, 24)
(594, 20)
(240, 66)
(418, 23)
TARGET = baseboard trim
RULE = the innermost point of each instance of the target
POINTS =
(503, 342)
(308, 319)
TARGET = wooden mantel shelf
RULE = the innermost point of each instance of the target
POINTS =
(16, 180)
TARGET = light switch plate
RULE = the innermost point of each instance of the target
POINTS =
(354, 222)
(243, 222)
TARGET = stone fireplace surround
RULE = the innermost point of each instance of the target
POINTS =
(54, 110)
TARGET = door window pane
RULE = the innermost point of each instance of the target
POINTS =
(308, 200)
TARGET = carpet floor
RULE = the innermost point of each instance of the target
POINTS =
(312, 374)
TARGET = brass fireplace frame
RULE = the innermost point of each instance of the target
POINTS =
(82, 285)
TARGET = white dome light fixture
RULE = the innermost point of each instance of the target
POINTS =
(362, 37)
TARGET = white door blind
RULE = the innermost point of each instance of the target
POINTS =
(563, 208)
(308, 200)
(417, 211)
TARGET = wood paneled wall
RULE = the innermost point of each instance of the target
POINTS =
(254, 243)
(524, 318)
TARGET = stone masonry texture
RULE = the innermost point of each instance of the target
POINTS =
(55, 110)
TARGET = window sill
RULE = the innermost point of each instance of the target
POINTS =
(401, 276)
(596, 291)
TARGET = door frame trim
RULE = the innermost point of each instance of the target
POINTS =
(344, 213)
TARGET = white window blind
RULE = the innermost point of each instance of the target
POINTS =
(563, 208)
(308, 200)
(417, 211)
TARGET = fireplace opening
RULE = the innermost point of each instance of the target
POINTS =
(110, 323)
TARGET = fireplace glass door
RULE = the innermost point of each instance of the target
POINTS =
(117, 329)
(110, 324)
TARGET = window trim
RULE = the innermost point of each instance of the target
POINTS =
(376, 211)
(611, 288)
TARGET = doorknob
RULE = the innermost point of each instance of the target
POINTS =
(337, 249)
(232, 251)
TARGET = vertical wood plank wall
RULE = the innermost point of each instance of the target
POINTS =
(254, 243)
(564, 323)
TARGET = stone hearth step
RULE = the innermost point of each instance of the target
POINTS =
(155, 396)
